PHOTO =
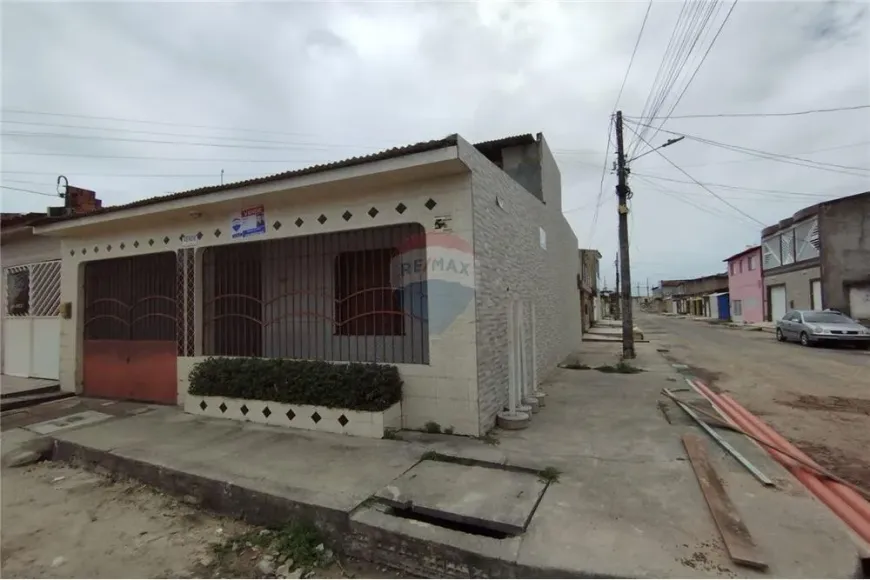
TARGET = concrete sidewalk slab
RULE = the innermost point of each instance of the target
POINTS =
(495, 499)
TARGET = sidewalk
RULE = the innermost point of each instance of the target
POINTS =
(626, 504)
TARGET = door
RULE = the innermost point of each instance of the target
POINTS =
(31, 320)
(777, 302)
(129, 333)
(816, 295)
(859, 302)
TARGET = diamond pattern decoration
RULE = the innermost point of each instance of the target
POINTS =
(299, 222)
(217, 233)
(290, 414)
(151, 242)
(322, 219)
(373, 212)
(123, 245)
(430, 204)
(401, 207)
(84, 251)
(72, 252)
(96, 249)
(346, 215)
(266, 412)
(244, 409)
(136, 244)
(316, 417)
(203, 405)
(165, 240)
(277, 225)
(180, 237)
(199, 235)
(108, 247)
(223, 407)
(343, 420)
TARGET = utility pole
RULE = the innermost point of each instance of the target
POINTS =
(623, 193)
(617, 290)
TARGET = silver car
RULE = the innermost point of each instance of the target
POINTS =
(812, 327)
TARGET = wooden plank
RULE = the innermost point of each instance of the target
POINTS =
(734, 532)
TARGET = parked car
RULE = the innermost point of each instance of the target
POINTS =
(814, 327)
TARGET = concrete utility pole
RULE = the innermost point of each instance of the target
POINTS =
(624, 193)
(617, 291)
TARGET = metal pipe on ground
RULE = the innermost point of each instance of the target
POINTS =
(853, 518)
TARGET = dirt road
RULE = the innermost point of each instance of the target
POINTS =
(819, 398)
(63, 522)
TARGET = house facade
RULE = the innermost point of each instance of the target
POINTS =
(31, 291)
(745, 286)
(413, 256)
(589, 264)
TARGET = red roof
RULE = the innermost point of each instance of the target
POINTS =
(746, 251)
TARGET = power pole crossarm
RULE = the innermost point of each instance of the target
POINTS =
(622, 193)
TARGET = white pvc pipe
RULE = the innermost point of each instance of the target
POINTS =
(534, 351)
(512, 379)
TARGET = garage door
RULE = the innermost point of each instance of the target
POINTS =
(816, 294)
(859, 302)
(777, 302)
(130, 349)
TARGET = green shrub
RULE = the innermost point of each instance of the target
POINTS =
(356, 386)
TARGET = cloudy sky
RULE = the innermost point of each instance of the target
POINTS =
(257, 88)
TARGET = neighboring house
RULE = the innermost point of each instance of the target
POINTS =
(589, 264)
(411, 256)
(745, 287)
(31, 290)
(819, 258)
(692, 296)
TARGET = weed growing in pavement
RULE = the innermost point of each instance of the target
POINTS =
(432, 427)
(490, 438)
(392, 434)
(549, 475)
(298, 543)
(430, 456)
(576, 366)
(448, 430)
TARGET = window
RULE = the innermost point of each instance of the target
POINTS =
(752, 264)
(366, 304)
(18, 292)
(741, 265)
(737, 307)
(733, 268)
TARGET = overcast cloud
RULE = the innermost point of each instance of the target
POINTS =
(328, 80)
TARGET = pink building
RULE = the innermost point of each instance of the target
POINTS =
(745, 288)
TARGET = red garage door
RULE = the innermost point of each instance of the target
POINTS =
(129, 332)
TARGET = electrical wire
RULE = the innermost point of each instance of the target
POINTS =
(598, 202)
(681, 197)
(735, 187)
(633, 53)
(737, 115)
(704, 187)
(29, 191)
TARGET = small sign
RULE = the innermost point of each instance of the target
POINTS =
(442, 223)
(249, 222)
(543, 235)
(189, 239)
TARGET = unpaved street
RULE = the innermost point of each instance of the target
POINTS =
(819, 398)
(63, 522)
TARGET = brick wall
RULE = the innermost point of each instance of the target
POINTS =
(509, 261)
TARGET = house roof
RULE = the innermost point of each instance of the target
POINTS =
(746, 251)
(8, 220)
(391, 153)
(512, 141)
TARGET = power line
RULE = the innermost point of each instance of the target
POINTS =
(676, 195)
(601, 184)
(709, 184)
(704, 187)
(29, 191)
(733, 115)
(695, 73)
(790, 159)
(633, 53)
(208, 160)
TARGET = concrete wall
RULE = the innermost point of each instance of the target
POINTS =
(797, 288)
(510, 262)
(29, 250)
(444, 391)
(844, 230)
(746, 286)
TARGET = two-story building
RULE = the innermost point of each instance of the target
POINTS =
(589, 264)
(745, 286)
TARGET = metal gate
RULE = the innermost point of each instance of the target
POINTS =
(130, 326)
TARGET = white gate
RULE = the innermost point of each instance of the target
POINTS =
(859, 302)
(777, 302)
(31, 320)
(816, 294)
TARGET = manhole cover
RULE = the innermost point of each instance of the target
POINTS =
(74, 420)
(485, 497)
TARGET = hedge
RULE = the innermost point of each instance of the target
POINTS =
(356, 386)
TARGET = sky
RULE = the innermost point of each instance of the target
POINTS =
(137, 99)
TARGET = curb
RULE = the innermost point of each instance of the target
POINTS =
(343, 533)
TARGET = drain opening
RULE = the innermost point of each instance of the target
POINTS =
(468, 528)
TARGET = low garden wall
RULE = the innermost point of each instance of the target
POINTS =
(363, 400)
